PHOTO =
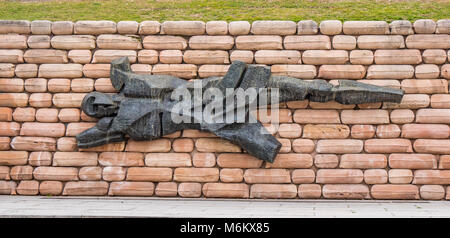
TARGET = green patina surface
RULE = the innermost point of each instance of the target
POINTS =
(206, 10)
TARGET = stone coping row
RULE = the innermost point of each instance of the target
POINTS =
(304, 27)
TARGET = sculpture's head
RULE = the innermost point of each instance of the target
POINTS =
(100, 105)
(104, 106)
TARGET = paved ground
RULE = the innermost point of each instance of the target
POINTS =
(20, 206)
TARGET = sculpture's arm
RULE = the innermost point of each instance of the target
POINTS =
(233, 77)
(137, 85)
(347, 92)
(99, 134)
(118, 72)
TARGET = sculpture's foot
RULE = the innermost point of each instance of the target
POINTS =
(353, 92)
(253, 138)
(347, 92)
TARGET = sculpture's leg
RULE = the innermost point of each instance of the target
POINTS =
(353, 92)
(253, 138)
(347, 92)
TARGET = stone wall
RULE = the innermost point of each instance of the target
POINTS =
(369, 151)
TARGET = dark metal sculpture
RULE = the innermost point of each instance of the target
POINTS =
(142, 109)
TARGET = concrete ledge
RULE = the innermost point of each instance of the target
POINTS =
(76, 207)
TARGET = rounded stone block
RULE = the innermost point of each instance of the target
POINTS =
(366, 28)
(273, 28)
(183, 28)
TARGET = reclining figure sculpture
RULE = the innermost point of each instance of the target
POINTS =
(142, 108)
